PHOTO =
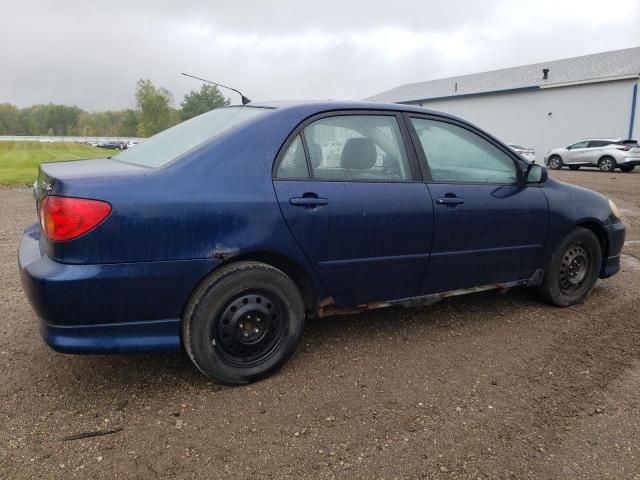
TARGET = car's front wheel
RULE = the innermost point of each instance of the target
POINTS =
(573, 269)
(607, 164)
(554, 162)
(243, 322)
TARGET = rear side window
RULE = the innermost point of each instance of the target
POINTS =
(455, 154)
(357, 148)
(294, 162)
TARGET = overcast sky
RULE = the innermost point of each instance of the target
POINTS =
(90, 53)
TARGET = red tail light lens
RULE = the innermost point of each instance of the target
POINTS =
(624, 149)
(65, 218)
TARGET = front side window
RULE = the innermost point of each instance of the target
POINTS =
(579, 145)
(169, 144)
(455, 154)
(357, 148)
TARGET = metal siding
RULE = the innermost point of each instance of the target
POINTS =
(581, 111)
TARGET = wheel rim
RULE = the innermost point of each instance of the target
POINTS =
(575, 268)
(553, 162)
(250, 328)
(606, 164)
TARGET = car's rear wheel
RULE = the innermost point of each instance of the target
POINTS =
(554, 162)
(573, 269)
(607, 164)
(243, 322)
(627, 168)
(574, 167)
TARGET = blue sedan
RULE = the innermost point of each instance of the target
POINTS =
(223, 233)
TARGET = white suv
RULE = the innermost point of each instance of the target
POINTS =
(606, 154)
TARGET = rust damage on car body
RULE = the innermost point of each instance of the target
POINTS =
(327, 307)
(223, 253)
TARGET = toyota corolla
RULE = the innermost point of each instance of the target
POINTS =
(223, 233)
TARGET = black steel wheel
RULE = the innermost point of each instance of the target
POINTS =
(607, 164)
(243, 322)
(627, 168)
(250, 328)
(554, 162)
(573, 269)
(574, 167)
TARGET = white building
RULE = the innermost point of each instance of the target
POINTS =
(544, 105)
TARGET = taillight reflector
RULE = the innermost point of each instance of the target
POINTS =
(65, 218)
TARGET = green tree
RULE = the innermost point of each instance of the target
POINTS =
(52, 119)
(128, 126)
(10, 121)
(200, 101)
(155, 110)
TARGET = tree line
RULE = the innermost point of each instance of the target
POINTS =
(154, 112)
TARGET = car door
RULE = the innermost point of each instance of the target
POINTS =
(488, 226)
(350, 192)
(576, 153)
(595, 150)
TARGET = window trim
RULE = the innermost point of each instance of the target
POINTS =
(407, 143)
(423, 162)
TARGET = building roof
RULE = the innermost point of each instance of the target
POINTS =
(585, 69)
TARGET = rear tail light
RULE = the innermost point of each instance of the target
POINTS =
(65, 218)
(624, 149)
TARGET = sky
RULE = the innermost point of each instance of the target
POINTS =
(91, 54)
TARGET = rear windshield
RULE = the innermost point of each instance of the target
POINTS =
(168, 145)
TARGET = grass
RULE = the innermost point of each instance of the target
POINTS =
(19, 161)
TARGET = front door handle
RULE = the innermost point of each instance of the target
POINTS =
(308, 202)
(450, 201)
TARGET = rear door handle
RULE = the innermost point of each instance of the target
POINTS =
(308, 202)
(453, 201)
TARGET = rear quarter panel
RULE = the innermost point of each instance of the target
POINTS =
(216, 202)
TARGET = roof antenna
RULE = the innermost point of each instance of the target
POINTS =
(244, 99)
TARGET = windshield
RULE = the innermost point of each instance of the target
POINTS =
(168, 145)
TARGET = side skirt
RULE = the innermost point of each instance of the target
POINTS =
(328, 307)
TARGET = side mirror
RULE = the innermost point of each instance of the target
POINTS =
(536, 173)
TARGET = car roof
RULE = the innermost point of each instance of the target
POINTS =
(599, 140)
(328, 105)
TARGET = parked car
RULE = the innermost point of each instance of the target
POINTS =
(112, 145)
(606, 154)
(221, 234)
(527, 152)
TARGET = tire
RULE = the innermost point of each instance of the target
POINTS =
(574, 167)
(607, 164)
(243, 322)
(627, 168)
(554, 162)
(573, 269)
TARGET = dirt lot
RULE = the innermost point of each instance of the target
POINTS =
(484, 386)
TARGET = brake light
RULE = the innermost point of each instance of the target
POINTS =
(65, 218)
(624, 149)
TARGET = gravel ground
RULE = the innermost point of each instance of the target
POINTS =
(483, 386)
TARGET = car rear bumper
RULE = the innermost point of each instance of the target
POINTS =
(631, 161)
(615, 240)
(105, 308)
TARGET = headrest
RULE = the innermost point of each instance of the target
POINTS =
(358, 154)
(315, 154)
